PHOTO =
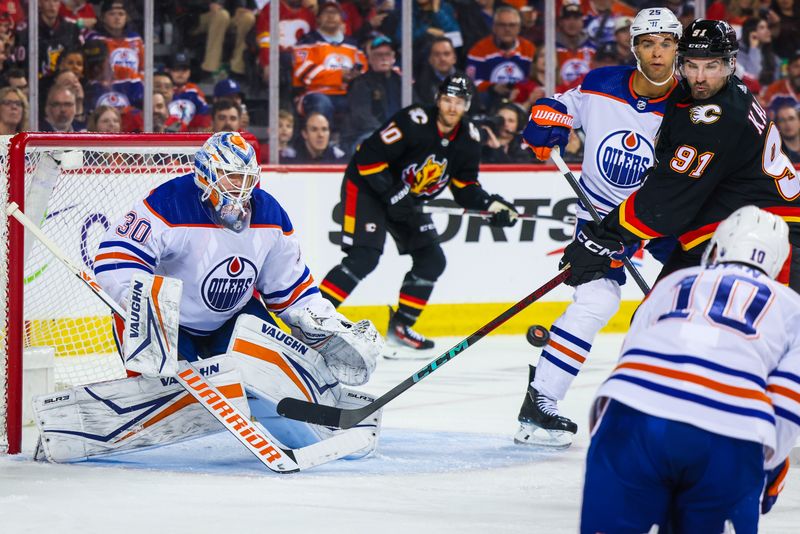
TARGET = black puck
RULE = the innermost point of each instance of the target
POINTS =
(537, 335)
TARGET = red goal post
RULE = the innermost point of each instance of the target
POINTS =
(74, 186)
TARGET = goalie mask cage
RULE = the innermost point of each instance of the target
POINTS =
(74, 186)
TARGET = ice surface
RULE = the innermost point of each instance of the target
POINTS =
(446, 463)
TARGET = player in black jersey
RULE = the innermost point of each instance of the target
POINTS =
(410, 159)
(717, 151)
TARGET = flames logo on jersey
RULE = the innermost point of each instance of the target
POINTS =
(705, 114)
(622, 158)
(228, 282)
(427, 179)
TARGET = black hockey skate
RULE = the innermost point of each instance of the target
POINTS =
(403, 342)
(540, 424)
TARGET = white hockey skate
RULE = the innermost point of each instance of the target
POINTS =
(540, 423)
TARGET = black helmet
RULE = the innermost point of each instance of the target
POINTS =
(456, 85)
(708, 38)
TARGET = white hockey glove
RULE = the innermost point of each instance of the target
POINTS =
(350, 349)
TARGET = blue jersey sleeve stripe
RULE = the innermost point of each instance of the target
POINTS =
(116, 266)
(697, 399)
(595, 196)
(127, 246)
(288, 290)
(558, 363)
(571, 338)
(786, 414)
(310, 291)
(788, 376)
(680, 358)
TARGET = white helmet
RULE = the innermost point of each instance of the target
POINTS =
(752, 236)
(654, 20)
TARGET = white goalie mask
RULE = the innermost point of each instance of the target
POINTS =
(226, 171)
(654, 20)
(751, 236)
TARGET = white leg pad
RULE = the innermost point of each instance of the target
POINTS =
(131, 413)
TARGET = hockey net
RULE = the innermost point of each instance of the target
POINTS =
(74, 186)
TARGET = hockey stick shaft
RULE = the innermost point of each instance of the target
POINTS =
(485, 214)
(206, 394)
(555, 155)
(343, 418)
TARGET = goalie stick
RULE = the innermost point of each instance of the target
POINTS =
(347, 418)
(260, 443)
(555, 155)
(569, 219)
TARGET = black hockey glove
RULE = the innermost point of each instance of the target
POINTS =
(503, 212)
(400, 206)
(589, 255)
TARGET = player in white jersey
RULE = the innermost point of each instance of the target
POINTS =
(702, 409)
(620, 111)
(233, 247)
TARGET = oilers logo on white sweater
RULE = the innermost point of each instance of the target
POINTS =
(620, 129)
(171, 232)
(717, 348)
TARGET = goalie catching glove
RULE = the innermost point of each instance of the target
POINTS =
(548, 126)
(350, 349)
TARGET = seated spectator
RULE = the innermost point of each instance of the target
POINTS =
(325, 62)
(17, 79)
(475, 19)
(105, 119)
(431, 19)
(16, 13)
(574, 51)
(622, 38)
(188, 100)
(214, 23)
(79, 12)
(441, 64)
(374, 96)
(499, 61)
(124, 48)
(230, 89)
(787, 118)
(71, 60)
(365, 17)
(13, 111)
(755, 55)
(786, 90)
(601, 18)
(787, 27)
(285, 134)
(226, 116)
(163, 122)
(296, 20)
(55, 35)
(59, 112)
(314, 144)
(735, 12)
(68, 79)
(504, 140)
(532, 24)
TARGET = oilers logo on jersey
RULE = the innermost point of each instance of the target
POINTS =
(228, 282)
(623, 156)
(114, 99)
(507, 72)
(124, 57)
(429, 178)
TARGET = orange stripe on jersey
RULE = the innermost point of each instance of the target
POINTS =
(373, 168)
(734, 391)
(786, 392)
(460, 184)
(296, 293)
(788, 214)
(566, 351)
(350, 204)
(629, 221)
(269, 356)
(119, 256)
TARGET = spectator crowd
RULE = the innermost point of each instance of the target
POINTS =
(339, 74)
